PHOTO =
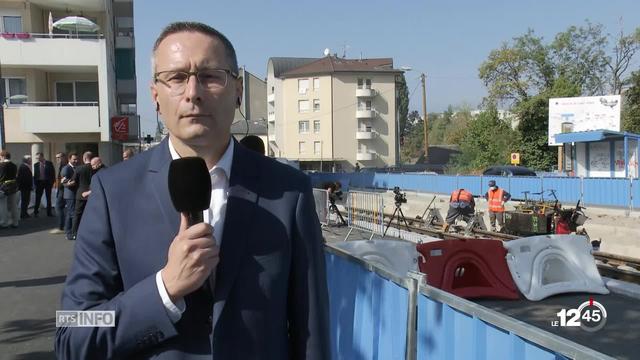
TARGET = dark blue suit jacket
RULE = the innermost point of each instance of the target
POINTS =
(270, 291)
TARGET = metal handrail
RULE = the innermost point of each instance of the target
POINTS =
(61, 103)
(519, 328)
(66, 36)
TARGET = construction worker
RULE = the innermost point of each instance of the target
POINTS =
(496, 198)
(461, 204)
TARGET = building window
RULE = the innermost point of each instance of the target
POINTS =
(301, 147)
(364, 104)
(316, 104)
(303, 127)
(364, 83)
(316, 83)
(316, 126)
(77, 91)
(303, 106)
(12, 87)
(12, 24)
(303, 86)
(317, 147)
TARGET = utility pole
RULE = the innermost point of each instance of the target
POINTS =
(425, 118)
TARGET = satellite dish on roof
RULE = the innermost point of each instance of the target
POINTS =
(327, 52)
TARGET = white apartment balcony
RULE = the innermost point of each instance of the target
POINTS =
(365, 134)
(271, 98)
(365, 155)
(365, 93)
(271, 117)
(44, 50)
(58, 117)
(365, 114)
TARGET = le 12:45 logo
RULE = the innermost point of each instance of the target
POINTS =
(590, 316)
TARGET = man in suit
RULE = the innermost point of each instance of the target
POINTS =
(61, 208)
(69, 194)
(25, 185)
(44, 175)
(260, 245)
(82, 179)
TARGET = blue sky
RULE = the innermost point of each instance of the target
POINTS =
(447, 40)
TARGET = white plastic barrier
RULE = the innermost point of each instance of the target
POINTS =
(547, 265)
(397, 257)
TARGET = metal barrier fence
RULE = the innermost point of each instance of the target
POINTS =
(375, 314)
(366, 211)
(321, 198)
(611, 192)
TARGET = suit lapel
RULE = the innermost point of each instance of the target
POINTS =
(241, 203)
(159, 174)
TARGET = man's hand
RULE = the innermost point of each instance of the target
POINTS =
(85, 194)
(193, 255)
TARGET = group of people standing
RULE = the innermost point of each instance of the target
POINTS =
(23, 179)
(72, 184)
(73, 190)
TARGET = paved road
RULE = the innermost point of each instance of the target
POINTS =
(33, 265)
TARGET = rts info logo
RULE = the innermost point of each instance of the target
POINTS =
(590, 316)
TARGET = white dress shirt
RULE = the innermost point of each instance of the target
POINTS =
(214, 216)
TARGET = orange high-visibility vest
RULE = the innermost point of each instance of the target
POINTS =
(495, 200)
(461, 195)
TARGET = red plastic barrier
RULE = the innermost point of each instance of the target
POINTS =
(470, 268)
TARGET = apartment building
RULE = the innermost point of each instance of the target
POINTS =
(331, 113)
(68, 90)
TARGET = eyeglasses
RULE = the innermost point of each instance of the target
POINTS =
(210, 79)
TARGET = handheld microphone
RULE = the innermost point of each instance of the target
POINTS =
(190, 187)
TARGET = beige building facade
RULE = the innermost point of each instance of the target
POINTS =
(331, 113)
(62, 89)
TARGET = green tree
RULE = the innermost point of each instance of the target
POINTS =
(487, 141)
(412, 141)
(458, 127)
(533, 127)
(631, 105)
(625, 48)
(518, 70)
(403, 106)
(579, 56)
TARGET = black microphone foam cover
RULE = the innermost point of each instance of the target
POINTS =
(189, 184)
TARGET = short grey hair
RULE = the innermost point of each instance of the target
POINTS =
(190, 26)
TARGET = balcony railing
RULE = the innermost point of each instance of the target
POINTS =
(365, 155)
(27, 36)
(365, 134)
(363, 113)
(365, 92)
(59, 103)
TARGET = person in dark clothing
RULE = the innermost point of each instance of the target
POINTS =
(61, 206)
(69, 194)
(25, 185)
(254, 143)
(8, 191)
(82, 178)
(44, 175)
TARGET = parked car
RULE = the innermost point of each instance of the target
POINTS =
(509, 170)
